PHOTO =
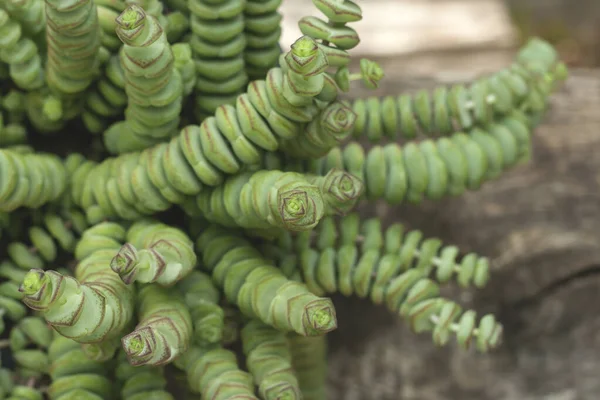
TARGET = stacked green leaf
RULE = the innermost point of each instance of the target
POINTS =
(29, 341)
(202, 298)
(524, 86)
(142, 183)
(164, 329)
(141, 382)
(13, 133)
(54, 234)
(74, 375)
(11, 306)
(269, 361)
(214, 373)
(259, 289)
(31, 15)
(30, 179)
(95, 305)
(218, 44)
(153, 84)
(335, 36)
(165, 255)
(22, 392)
(20, 53)
(107, 100)
(309, 359)
(262, 29)
(72, 25)
(392, 268)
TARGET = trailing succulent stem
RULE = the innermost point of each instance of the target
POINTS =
(214, 373)
(73, 37)
(259, 289)
(164, 330)
(93, 306)
(153, 84)
(166, 254)
(208, 317)
(140, 382)
(269, 361)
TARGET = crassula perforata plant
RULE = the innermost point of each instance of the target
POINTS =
(174, 186)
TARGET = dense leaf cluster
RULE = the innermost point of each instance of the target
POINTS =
(177, 195)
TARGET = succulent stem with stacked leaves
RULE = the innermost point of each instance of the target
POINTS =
(393, 268)
(139, 382)
(218, 42)
(20, 53)
(214, 373)
(269, 361)
(263, 31)
(30, 179)
(74, 374)
(264, 200)
(164, 331)
(332, 126)
(168, 173)
(259, 289)
(202, 298)
(334, 35)
(166, 255)
(72, 25)
(95, 305)
(154, 85)
(309, 359)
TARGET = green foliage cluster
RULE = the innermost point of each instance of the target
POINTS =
(191, 239)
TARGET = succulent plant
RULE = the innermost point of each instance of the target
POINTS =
(172, 183)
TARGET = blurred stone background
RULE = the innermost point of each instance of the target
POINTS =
(538, 223)
(485, 30)
(573, 25)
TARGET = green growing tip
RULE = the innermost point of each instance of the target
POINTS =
(132, 18)
(304, 47)
(210, 334)
(338, 118)
(341, 117)
(33, 282)
(322, 320)
(371, 73)
(134, 345)
(294, 203)
(294, 206)
(124, 263)
(347, 183)
(120, 262)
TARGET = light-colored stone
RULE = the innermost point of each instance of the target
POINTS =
(394, 27)
(538, 224)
